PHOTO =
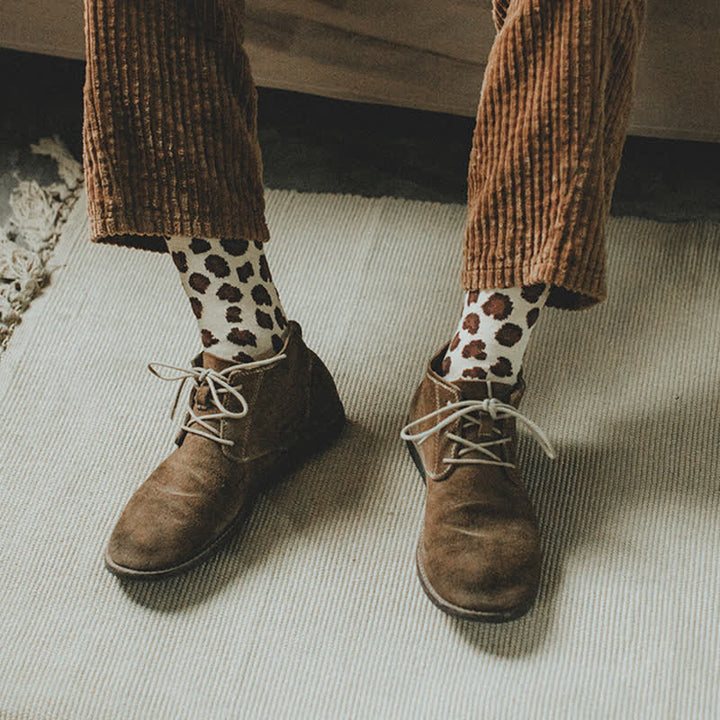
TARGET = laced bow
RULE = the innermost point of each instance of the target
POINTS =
(218, 383)
(469, 411)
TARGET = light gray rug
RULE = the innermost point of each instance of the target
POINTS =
(315, 611)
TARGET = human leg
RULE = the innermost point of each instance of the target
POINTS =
(172, 164)
(169, 131)
(232, 296)
(172, 160)
(550, 127)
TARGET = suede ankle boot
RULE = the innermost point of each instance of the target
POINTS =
(478, 556)
(246, 428)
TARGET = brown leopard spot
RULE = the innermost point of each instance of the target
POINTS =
(217, 266)
(258, 244)
(263, 319)
(280, 318)
(208, 338)
(199, 246)
(229, 292)
(498, 306)
(260, 295)
(473, 297)
(455, 342)
(242, 337)
(532, 293)
(446, 363)
(245, 271)
(474, 373)
(233, 314)
(197, 307)
(508, 334)
(265, 269)
(532, 317)
(234, 247)
(243, 357)
(471, 323)
(277, 343)
(180, 261)
(474, 349)
(198, 282)
(502, 368)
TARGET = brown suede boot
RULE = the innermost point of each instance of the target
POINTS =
(478, 557)
(247, 426)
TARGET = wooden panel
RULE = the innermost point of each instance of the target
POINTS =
(423, 53)
(370, 57)
(431, 55)
(49, 27)
(459, 30)
(678, 75)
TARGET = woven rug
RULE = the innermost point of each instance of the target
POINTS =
(314, 611)
(31, 231)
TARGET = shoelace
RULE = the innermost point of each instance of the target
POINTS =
(218, 383)
(468, 410)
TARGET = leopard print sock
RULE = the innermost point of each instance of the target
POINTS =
(232, 296)
(493, 334)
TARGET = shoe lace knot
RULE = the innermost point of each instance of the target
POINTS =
(483, 450)
(218, 383)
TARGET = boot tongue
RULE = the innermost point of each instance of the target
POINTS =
(478, 390)
(216, 363)
(203, 396)
(486, 429)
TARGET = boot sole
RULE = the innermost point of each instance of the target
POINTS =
(445, 605)
(290, 461)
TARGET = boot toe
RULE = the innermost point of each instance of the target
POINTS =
(155, 536)
(490, 573)
(132, 549)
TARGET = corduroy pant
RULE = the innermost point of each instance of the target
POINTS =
(170, 144)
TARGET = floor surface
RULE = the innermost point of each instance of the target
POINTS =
(314, 610)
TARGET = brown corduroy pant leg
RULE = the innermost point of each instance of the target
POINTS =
(170, 141)
(169, 134)
(551, 126)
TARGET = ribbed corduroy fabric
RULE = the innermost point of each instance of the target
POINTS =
(171, 144)
(169, 135)
(551, 125)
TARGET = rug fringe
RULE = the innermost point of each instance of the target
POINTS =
(27, 240)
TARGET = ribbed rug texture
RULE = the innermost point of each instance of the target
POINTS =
(314, 610)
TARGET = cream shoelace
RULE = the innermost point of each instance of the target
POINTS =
(218, 384)
(468, 411)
